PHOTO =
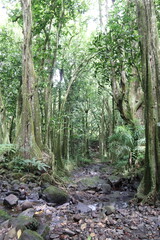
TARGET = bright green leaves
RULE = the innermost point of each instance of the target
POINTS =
(10, 69)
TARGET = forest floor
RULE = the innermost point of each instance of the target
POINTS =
(99, 208)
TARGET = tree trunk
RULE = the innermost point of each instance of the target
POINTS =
(28, 135)
(4, 130)
(151, 83)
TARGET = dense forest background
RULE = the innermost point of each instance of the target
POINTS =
(76, 88)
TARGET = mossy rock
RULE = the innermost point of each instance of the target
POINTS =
(30, 235)
(90, 182)
(53, 194)
(26, 222)
(4, 216)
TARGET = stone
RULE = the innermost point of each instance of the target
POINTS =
(26, 204)
(26, 222)
(90, 183)
(69, 232)
(11, 234)
(53, 194)
(11, 201)
(6, 224)
(109, 209)
(30, 235)
(28, 212)
(105, 188)
(43, 230)
(81, 207)
(77, 218)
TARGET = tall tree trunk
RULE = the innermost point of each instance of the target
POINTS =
(28, 135)
(100, 14)
(48, 90)
(151, 83)
(102, 133)
(4, 130)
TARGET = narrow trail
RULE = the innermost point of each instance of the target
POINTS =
(98, 208)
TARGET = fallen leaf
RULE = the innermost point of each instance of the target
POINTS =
(39, 212)
(92, 234)
(19, 233)
(83, 226)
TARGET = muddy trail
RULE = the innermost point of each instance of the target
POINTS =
(97, 208)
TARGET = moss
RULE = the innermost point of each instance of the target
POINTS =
(4, 216)
(55, 195)
(30, 235)
(29, 222)
(91, 181)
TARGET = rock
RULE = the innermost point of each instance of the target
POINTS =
(12, 234)
(30, 235)
(11, 201)
(54, 236)
(81, 207)
(28, 212)
(109, 209)
(26, 204)
(5, 224)
(2, 236)
(105, 188)
(90, 183)
(35, 193)
(69, 232)
(4, 216)
(43, 230)
(53, 194)
(26, 222)
(77, 218)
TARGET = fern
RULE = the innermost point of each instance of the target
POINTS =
(6, 148)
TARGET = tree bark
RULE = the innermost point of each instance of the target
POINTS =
(149, 41)
(28, 135)
(4, 130)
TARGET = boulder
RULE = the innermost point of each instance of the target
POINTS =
(89, 183)
(11, 201)
(26, 204)
(30, 235)
(53, 194)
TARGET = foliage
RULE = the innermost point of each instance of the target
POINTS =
(36, 164)
(121, 143)
(27, 165)
(7, 148)
(127, 147)
(10, 68)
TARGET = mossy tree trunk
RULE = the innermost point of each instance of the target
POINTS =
(4, 129)
(149, 41)
(28, 136)
(102, 133)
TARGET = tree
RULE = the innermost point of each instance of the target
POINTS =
(28, 135)
(150, 46)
